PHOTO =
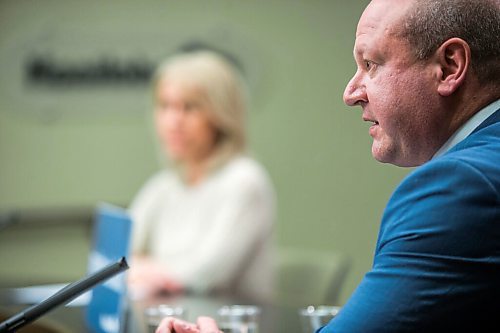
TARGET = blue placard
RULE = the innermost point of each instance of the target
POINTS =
(105, 312)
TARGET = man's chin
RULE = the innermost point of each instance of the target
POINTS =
(395, 160)
(384, 155)
(379, 153)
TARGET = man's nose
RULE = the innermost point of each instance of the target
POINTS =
(355, 92)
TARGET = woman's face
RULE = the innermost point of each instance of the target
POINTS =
(183, 123)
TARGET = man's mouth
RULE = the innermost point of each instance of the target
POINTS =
(373, 122)
(373, 126)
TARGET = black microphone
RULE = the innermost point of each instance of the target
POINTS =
(63, 296)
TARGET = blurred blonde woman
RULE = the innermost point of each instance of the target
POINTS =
(204, 224)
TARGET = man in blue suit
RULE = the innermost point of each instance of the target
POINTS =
(428, 81)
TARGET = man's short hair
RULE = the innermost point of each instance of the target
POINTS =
(429, 23)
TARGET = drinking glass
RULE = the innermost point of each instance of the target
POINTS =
(239, 318)
(312, 317)
(154, 314)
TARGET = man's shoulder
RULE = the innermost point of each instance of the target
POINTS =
(465, 178)
(450, 200)
(474, 161)
(477, 156)
(473, 167)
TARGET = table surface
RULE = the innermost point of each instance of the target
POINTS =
(273, 318)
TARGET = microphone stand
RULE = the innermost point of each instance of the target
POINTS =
(63, 296)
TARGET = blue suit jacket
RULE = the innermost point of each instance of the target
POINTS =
(437, 261)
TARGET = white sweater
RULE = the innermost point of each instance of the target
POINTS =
(214, 236)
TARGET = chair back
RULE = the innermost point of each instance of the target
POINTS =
(309, 277)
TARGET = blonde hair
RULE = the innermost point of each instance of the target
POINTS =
(225, 92)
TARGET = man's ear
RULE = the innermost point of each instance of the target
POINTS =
(453, 57)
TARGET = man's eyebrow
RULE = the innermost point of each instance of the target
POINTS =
(358, 52)
(359, 48)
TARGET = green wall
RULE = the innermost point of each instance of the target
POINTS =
(75, 150)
